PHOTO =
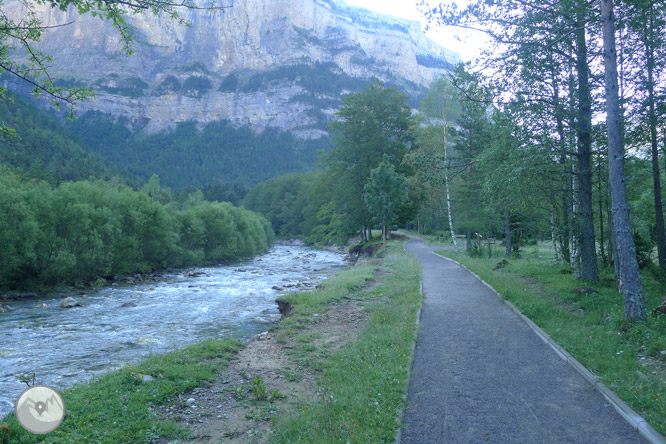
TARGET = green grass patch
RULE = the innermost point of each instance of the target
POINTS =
(118, 407)
(363, 383)
(627, 358)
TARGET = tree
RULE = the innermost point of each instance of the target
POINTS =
(371, 124)
(625, 249)
(529, 36)
(442, 104)
(385, 192)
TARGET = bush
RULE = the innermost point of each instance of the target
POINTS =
(79, 232)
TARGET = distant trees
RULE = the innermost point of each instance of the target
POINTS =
(186, 156)
(79, 232)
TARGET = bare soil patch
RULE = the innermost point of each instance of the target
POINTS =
(227, 410)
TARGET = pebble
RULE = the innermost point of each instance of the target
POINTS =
(191, 400)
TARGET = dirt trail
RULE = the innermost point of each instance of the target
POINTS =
(228, 410)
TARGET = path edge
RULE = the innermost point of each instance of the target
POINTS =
(401, 413)
(636, 421)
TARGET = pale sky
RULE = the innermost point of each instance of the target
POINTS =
(465, 43)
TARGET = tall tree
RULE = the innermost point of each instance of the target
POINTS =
(371, 124)
(625, 249)
(442, 104)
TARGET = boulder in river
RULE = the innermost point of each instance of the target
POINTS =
(69, 303)
(195, 274)
(128, 304)
(275, 287)
(42, 305)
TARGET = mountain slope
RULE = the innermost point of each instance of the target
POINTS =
(43, 148)
(281, 64)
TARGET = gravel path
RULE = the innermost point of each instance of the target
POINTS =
(481, 375)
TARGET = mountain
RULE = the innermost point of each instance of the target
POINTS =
(44, 149)
(281, 63)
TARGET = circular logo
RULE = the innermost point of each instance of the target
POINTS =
(40, 409)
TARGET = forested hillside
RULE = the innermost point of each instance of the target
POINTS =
(38, 145)
(188, 156)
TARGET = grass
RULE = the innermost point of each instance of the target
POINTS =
(363, 383)
(627, 357)
(119, 407)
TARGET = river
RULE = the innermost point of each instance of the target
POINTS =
(65, 346)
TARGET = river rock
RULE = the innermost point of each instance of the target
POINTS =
(284, 307)
(69, 303)
(128, 304)
(275, 287)
(42, 305)
(195, 274)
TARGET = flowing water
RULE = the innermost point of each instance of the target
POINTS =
(65, 346)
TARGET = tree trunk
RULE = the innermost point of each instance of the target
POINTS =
(448, 199)
(384, 233)
(564, 233)
(604, 259)
(507, 233)
(659, 211)
(553, 233)
(469, 239)
(634, 301)
(575, 251)
(588, 250)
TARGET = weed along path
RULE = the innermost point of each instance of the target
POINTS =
(481, 375)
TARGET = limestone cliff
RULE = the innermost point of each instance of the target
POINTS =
(279, 63)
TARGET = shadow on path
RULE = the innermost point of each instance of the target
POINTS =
(481, 375)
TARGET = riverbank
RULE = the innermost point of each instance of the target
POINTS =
(587, 321)
(336, 367)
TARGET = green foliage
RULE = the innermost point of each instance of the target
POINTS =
(322, 77)
(77, 232)
(168, 86)
(129, 87)
(385, 192)
(196, 86)
(186, 156)
(300, 205)
(42, 149)
(370, 125)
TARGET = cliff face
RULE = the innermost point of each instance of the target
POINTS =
(258, 63)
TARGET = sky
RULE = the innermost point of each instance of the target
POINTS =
(465, 43)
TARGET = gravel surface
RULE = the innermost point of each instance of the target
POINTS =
(481, 375)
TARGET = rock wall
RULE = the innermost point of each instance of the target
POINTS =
(251, 36)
